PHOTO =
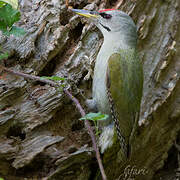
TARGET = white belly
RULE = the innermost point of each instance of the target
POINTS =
(99, 82)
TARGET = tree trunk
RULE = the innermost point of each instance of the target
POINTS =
(40, 134)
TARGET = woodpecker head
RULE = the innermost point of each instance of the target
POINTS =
(111, 22)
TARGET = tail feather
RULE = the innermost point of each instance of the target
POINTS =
(106, 137)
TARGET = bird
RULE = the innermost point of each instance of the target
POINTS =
(118, 78)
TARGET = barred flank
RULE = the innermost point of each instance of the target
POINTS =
(121, 138)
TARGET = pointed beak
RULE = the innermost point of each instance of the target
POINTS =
(86, 13)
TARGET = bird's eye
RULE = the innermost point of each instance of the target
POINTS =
(106, 16)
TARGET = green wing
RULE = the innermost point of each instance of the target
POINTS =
(124, 85)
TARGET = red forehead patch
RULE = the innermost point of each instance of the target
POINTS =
(106, 10)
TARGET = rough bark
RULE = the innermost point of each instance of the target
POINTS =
(41, 135)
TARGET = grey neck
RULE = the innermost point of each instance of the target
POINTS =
(120, 40)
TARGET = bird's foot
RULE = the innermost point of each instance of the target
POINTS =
(91, 104)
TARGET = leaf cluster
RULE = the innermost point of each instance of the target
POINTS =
(95, 117)
(13, 3)
(8, 16)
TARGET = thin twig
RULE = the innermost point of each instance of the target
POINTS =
(87, 124)
(77, 104)
(28, 76)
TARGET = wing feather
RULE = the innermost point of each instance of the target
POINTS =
(124, 81)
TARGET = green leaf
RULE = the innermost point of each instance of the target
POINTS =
(3, 27)
(1, 179)
(95, 117)
(8, 15)
(54, 78)
(3, 56)
(2, 4)
(13, 3)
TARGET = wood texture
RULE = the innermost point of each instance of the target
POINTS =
(61, 43)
